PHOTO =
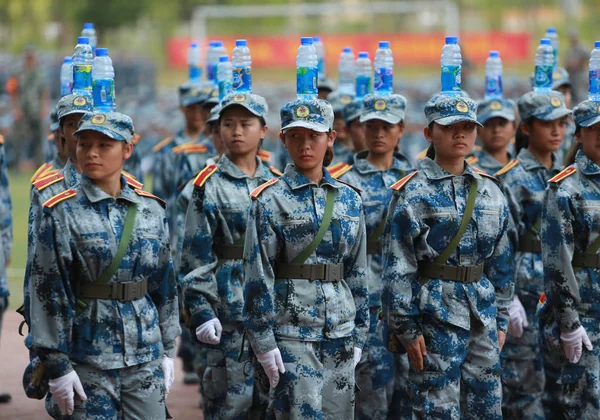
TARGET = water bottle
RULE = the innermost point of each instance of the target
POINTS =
(224, 76)
(82, 67)
(90, 33)
(493, 76)
(321, 55)
(451, 62)
(347, 72)
(242, 67)
(103, 79)
(194, 58)
(544, 66)
(66, 76)
(553, 37)
(307, 71)
(364, 74)
(215, 51)
(384, 69)
(594, 90)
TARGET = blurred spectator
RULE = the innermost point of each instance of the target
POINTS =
(576, 63)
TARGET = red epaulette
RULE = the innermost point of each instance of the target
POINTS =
(48, 180)
(258, 190)
(150, 195)
(41, 171)
(508, 167)
(264, 155)
(340, 170)
(275, 171)
(401, 183)
(131, 181)
(162, 144)
(482, 173)
(204, 174)
(568, 171)
(65, 195)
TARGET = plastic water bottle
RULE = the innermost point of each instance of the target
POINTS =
(215, 51)
(553, 37)
(347, 72)
(66, 76)
(321, 55)
(224, 76)
(306, 69)
(242, 67)
(194, 58)
(451, 62)
(90, 33)
(493, 76)
(544, 66)
(594, 90)
(364, 74)
(103, 77)
(82, 67)
(384, 69)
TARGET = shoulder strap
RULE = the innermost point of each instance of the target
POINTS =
(563, 174)
(306, 252)
(204, 174)
(403, 181)
(443, 257)
(508, 167)
(258, 190)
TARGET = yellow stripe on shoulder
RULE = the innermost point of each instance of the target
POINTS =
(510, 165)
(275, 171)
(335, 166)
(204, 174)
(472, 160)
(567, 172)
(264, 155)
(131, 180)
(194, 148)
(422, 155)
(400, 184)
(341, 170)
(44, 182)
(40, 171)
(65, 195)
(482, 173)
(160, 145)
(258, 190)
(143, 193)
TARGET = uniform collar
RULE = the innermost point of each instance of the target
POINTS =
(434, 171)
(586, 165)
(362, 165)
(229, 168)
(296, 180)
(94, 194)
(486, 159)
(530, 162)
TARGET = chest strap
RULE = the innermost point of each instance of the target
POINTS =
(587, 259)
(530, 241)
(327, 273)
(231, 252)
(116, 291)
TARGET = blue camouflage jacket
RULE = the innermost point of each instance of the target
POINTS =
(5, 222)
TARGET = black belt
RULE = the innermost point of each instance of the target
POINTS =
(585, 260)
(374, 247)
(462, 274)
(325, 272)
(530, 245)
(229, 252)
(115, 291)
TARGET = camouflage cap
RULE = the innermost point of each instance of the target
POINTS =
(54, 119)
(449, 110)
(496, 108)
(352, 111)
(74, 104)
(114, 124)
(338, 101)
(391, 108)
(560, 77)
(254, 103)
(326, 84)
(214, 114)
(183, 90)
(543, 106)
(587, 113)
(314, 114)
(197, 94)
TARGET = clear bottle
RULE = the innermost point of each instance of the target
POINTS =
(364, 74)
(242, 67)
(103, 80)
(451, 62)
(552, 35)
(194, 67)
(224, 76)
(66, 76)
(214, 52)
(307, 70)
(384, 69)
(321, 55)
(347, 72)
(594, 89)
(493, 76)
(82, 67)
(89, 32)
(544, 66)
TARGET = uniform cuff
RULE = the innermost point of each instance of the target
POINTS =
(56, 364)
(264, 342)
(568, 319)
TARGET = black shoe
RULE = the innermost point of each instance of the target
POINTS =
(5, 397)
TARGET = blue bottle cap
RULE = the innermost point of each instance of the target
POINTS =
(101, 52)
(597, 44)
(347, 49)
(316, 38)
(218, 43)
(551, 30)
(223, 59)
(241, 43)
(545, 41)
(212, 44)
(306, 40)
(451, 40)
(83, 40)
(384, 44)
(363, 54)
(194, 45)
(68, 59)
(494, 54)
(88, 26)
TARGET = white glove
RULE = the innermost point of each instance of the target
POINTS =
(518, 318)
(62, 391)
(572, 343)
(357, 356)
(210, 331)
(272, 363)
(168, 367)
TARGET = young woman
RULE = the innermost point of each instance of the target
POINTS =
(570, 232)
(306, 307)
(542, 129)
(212, 257)
(447, 272)
(103, 292)
(374, 171)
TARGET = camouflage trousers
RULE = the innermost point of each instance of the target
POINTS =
(136, 392)
(374, 377)
(318, 382)
(401, 405)
(461, 378)
(553, 400)
(3, 308)
(523, 375)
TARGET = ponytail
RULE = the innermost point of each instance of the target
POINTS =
(522, 139)
(328, 157)
(431, 150)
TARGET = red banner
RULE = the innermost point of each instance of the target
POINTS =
(408, 48)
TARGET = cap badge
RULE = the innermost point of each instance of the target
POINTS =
(380, 105)
(495, 106)
(462, 106)
(98, 119)
(345, 99)
(555, 102)
(302, 111)
(240, 97)
(79, 101)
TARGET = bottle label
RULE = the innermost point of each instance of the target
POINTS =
(224, 88)
(493, 86)
(195, 73)
(451, 78)
(594, 82)
(363, 86)
(82, 77)
(66, 88)
(242, 79)
(306, 80)
(321, 68)
(384, 80)
(211, 72)
(104, 93)
(543, 77)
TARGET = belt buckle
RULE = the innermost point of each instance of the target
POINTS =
(130, 291)
(462, 273)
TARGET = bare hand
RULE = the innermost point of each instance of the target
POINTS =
(416, 353)
(501, 340)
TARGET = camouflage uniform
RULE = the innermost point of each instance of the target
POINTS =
(341, 152)
(459, 321)
(560, 77)
(315, 324)
(115, 346)
(5, 232)
(524, 181)
(570, 225)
